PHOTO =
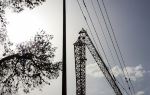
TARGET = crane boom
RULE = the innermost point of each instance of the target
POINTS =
(85, 39)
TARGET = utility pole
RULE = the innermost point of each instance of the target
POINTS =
(64, 77)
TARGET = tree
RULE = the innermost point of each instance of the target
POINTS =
(31, 64)
(16, 6)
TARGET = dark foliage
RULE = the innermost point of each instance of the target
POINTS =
(19, 5)
(31, 65)
(16, 6)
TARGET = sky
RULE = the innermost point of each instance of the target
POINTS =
(130, 21)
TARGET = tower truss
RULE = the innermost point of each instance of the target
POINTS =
(80, 45)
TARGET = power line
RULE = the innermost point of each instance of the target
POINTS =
(106, 43)
(105, 37)
(102, 46)
(109, 34)
(90, 28)
(117, 44)
(96, 34)
(122, 87)
(113, 45)
(87, 23)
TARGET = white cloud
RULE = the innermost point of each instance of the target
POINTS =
(140, 93)
(93, 70)
(116, 71)
(136, 72)
(133, 72)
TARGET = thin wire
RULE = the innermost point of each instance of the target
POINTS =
(110, 36)
(87, 23)
(102, 46)
(113, 45)
(122, 87)
(117, 43)
(132, 86)
(105, 39)
(96, 34)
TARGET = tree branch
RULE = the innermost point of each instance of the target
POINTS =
(17, 56)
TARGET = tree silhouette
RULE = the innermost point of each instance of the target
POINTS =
(31, 64)
(16, 6)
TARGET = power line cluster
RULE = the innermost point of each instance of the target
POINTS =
(125, 81)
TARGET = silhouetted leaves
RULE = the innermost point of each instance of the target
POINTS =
(3, 32)
(31, 64)
(16, 6)
(19, 5)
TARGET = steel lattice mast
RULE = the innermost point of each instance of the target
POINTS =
(80, 60)
(80, 63)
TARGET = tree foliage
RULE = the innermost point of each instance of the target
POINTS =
(16, 6)
(19, 5)
(31, 64)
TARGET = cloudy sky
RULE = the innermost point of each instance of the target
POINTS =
(130, 20)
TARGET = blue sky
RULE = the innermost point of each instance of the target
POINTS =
(134, 39)
(130, 20)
